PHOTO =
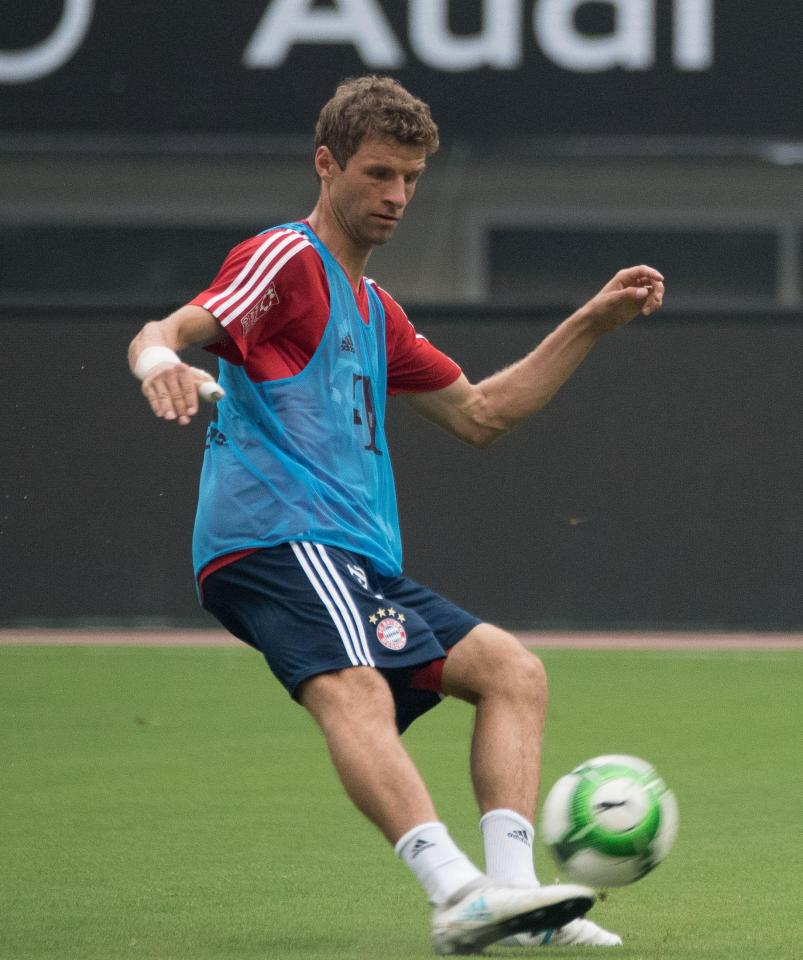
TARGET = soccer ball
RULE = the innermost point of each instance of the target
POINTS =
(610, 821)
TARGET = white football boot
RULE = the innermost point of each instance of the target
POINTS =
(483, 912)
(577, 933)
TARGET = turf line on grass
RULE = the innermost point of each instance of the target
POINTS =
(625, 640)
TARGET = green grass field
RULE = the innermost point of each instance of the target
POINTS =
(173, 804)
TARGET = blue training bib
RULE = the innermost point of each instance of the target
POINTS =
(306, 457)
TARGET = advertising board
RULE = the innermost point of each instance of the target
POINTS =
(489, 68)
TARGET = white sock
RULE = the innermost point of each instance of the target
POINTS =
(508, 841)
(440, 866)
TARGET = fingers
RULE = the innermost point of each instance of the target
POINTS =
(648, 297)
(172, 392)
(632, 291)
(629, 275)
(643, 283)
(654, 298)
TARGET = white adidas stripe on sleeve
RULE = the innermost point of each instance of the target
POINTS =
(271, 268)
(262, 267)
(243, 274)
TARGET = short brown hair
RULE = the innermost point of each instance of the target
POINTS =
(376, 108)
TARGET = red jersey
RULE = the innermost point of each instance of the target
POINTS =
(272, 300)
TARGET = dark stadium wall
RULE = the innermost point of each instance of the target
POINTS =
(661, 488)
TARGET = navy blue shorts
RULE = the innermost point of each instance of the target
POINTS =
(312, 609)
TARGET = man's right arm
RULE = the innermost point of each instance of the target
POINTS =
(170, 386)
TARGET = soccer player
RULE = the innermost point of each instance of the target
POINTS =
(297, 548)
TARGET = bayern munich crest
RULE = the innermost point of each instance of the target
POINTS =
(390, 630)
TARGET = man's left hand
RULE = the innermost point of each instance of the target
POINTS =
(632, 292)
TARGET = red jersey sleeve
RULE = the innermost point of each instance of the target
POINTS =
(414, 364)
(244, 297)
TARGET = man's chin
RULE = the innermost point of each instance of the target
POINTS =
(381, 233)
(374, 233)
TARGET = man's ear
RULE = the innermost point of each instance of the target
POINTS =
(325, 164)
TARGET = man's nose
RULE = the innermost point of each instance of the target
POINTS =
(396, 193)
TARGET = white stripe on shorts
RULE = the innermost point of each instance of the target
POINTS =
(338, 591)
(343, 625)
(348, 598)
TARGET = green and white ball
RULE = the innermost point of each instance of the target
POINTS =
(610, 821)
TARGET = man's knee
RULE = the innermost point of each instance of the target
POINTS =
(516, 670)
(491, 661)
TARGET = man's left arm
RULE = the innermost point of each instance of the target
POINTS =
(481, 413)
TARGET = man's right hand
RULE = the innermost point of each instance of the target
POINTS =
(171, 386)
(172, 390)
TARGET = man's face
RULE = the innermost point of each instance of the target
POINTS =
(370, 195)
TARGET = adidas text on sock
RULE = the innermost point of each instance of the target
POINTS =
(438, 863)
(508, 841)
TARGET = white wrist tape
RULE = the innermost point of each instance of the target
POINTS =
(150, 357)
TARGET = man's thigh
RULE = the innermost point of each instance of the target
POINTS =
(419, 689)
